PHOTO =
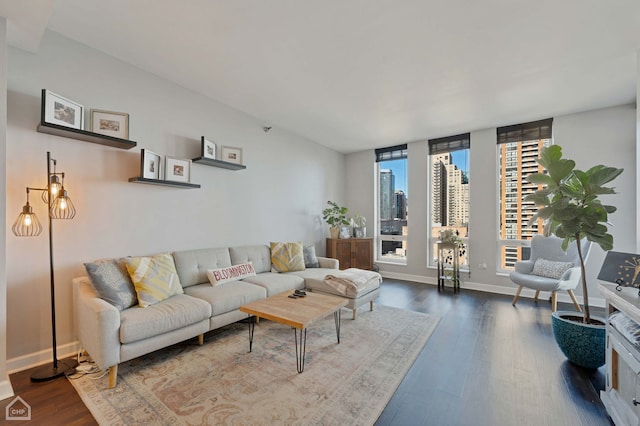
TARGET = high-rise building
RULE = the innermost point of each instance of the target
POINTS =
(387, 186)
(399, 205)
(517, 160)
(439, 192)
(450, 195)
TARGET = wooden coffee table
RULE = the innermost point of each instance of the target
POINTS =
(298, 313)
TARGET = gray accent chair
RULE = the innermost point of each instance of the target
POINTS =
(550, 248)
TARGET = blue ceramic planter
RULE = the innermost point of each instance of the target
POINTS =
(582, 344)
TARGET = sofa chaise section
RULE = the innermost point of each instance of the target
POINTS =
(112, 337)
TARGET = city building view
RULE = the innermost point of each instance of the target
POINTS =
(517, 160)
(449, 201)
(393, 210)
(450, 198)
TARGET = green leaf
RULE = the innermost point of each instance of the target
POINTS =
(549, 154)
(540, 179)
(567, 213)
(599, 175)
(545, 213)
(560, 169)
(601, 190)
(582, 177)
(537, 198)
(605, 241)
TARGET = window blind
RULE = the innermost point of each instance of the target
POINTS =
(532, 131)
(449, 144)
(397, 152)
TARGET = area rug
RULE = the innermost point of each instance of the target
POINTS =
(222, 382)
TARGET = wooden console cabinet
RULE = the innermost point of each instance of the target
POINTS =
(351, 252)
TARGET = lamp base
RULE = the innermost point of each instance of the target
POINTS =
(49, 372)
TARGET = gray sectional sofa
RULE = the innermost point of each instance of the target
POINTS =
(111, 336)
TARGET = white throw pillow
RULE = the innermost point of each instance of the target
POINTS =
(230, 273)
(550, 269)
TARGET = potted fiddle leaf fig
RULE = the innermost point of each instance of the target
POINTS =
(569, 204)
(335, 216)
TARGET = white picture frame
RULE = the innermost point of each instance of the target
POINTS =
(177, 170)
(208, 149)
(231, 154)
(61, 111)
(150, 165)
(109, 123)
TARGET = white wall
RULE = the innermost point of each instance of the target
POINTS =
(637, 150)
(5, 386)
(606, 136)
(278, 197)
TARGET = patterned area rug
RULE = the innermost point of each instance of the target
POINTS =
(222, 383)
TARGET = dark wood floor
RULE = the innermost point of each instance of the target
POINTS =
(487, 363)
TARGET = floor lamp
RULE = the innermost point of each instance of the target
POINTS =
(28, 225)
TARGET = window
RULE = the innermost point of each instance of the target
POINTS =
(449, 191)
(518, 148)
(393, 204)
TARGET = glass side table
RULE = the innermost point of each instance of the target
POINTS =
(448, 265)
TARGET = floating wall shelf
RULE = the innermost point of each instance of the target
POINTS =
(84, 135)
(218, 163)
(163, 182)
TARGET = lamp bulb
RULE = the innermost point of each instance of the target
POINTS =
(27, 220)
(63, 204)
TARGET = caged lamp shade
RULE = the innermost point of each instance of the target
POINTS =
(54, 186)
(27, 223)
(62, 207)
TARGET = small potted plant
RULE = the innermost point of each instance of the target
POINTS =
(359, 226)
(450, 236)
(335, 216)
(571, 209)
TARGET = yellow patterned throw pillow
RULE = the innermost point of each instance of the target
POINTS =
(287, 257)
(154, 278)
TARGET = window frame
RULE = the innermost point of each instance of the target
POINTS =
(397, 152)
(438, 146)
(541, 132)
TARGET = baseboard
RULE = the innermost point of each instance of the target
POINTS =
(36, 359)
(408, 277)
(563, 296)
(6, 390)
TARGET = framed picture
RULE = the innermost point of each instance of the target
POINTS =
(177, 170)
(109, 123)
(208, 149)
(61, 111)
(149, 164)
(345, 232)
(231, 154)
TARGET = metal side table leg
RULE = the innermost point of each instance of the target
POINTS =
(301, 348)
(252, 326)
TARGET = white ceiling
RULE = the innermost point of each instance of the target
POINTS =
(361, 74)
